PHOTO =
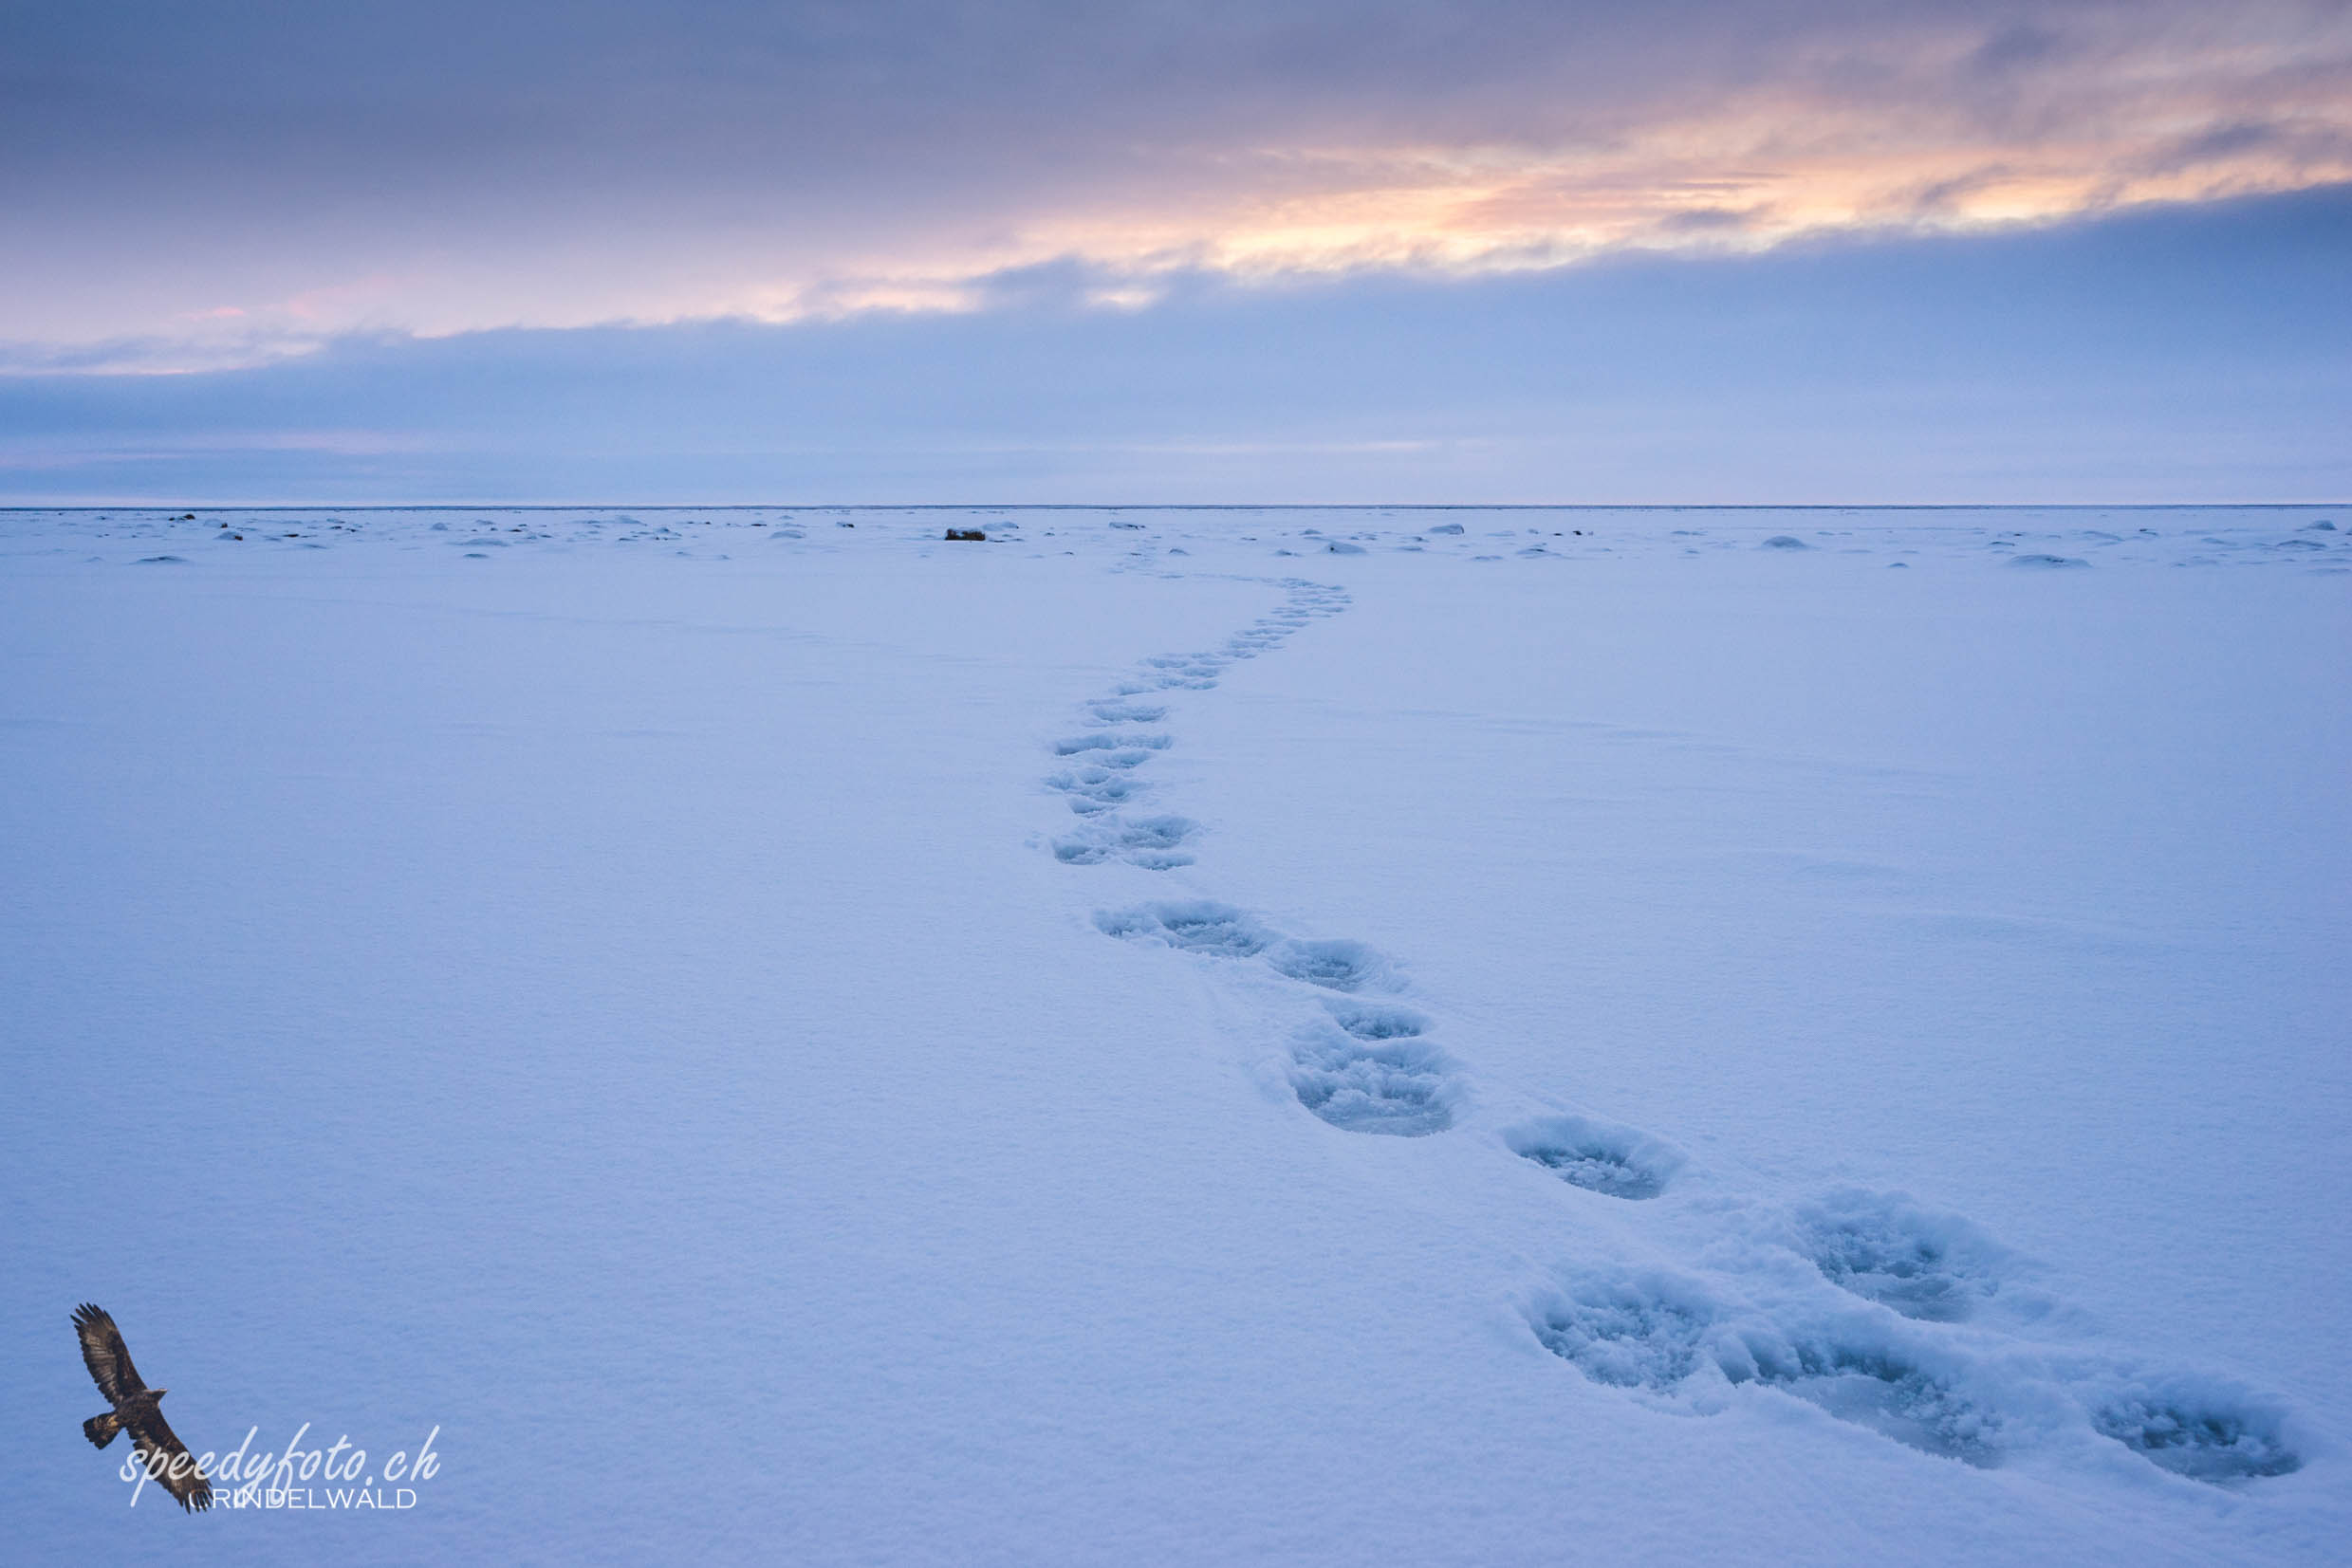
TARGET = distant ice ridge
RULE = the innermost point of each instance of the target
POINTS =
(2045, 538)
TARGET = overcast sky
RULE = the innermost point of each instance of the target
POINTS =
(1692, 249)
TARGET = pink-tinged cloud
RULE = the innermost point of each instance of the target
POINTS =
(817, 160)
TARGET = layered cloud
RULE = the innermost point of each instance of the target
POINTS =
(197, 190)
(2175, 353)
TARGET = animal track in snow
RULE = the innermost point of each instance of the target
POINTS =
(1364, 1068)
(1645, 1333)
(1670, 1335)
(1889, 1393)
(1095, 788)
(2209, 1435)
(1375, 1020)
(1194, 671)
(1156, 833)
(1199, 926)
(1881, 1247)
(1151, 843)
(1403, 1086)
(1368, 1066)
(1113, 712)
(1087, 745)
(1615, 1161)
(1658, 1332)
(1338, 965)
(1097, 781)
(1120, 758)
(1203, 926)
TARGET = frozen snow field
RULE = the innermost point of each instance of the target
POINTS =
(1354, 1036)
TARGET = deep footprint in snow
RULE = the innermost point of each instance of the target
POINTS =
(1199, 926)
(2209, 1436)
(1095, 788)
(1375, 1020)
(1096, 747)
(1338, 965)
(1645, 1333)
(1191, 672)
(1613, 1161)
(1883, 1247)
(1155, 834)
(1112, 710)
(1889, 1393)
(1115, 757)
(1152, 842)
(1403, 1086)
(1656, 1332)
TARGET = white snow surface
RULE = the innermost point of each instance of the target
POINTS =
(1217, 1036)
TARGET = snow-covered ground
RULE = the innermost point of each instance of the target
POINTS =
(1223, 1036)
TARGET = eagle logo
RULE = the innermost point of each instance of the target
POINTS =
(137, 1409)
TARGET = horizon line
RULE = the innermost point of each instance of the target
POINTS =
(1161, 506)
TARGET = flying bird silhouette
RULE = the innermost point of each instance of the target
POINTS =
(136, 1411)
